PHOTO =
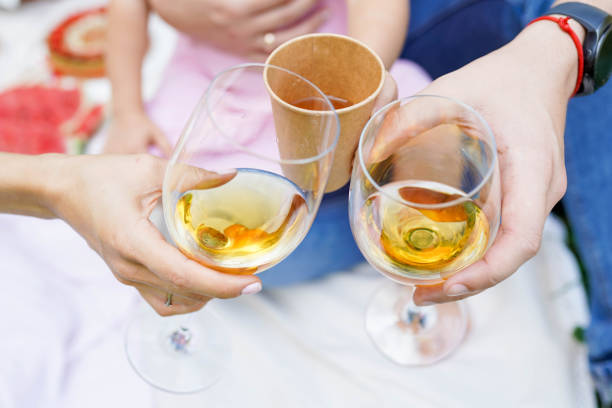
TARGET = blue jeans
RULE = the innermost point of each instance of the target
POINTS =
(328, 247)
(588, 144)
(444, 35)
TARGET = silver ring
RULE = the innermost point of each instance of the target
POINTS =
(269, 40)
(169, 299)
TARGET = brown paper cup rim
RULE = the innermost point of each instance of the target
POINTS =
(358, 105)
(246, 149)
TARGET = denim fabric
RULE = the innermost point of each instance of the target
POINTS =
(588, 205)
(328, 247)
(445, 35)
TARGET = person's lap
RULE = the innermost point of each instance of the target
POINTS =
(587, 203)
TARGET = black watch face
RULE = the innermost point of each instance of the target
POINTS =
(603, 63)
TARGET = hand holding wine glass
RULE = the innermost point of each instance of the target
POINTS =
(424, 205)
(526, 108)
(117, 226)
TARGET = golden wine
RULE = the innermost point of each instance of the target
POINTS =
(421, 243)
(243, 226)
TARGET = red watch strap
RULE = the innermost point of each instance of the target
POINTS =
(563, 23)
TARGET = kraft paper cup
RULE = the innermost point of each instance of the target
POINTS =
(341, 67)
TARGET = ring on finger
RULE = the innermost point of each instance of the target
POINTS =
(169, 299)
(269, 39)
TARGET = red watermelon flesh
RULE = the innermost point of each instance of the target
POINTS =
(31, 118)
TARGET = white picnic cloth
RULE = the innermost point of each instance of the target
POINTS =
(300, 346)
(62, 319)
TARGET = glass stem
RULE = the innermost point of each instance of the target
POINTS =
(413, 317)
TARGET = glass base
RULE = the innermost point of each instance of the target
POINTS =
(411, 335)
(179, 354)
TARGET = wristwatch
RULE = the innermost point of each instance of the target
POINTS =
(597, 47)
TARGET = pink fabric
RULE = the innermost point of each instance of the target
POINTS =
(194, 65)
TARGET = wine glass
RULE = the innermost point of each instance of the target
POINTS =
(240, 192)
(424, 204)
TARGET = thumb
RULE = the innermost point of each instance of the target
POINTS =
(409, 118)
(184, 177)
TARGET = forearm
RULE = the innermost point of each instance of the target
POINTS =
(31, 185)
(127, 45)
(554, 54)
(382, 25)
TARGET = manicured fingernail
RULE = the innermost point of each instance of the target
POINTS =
(457, 290)
(251, 289)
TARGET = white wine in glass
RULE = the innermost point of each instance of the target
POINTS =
(422, 242)
(244, 225)
(424, 204)
(240, 192)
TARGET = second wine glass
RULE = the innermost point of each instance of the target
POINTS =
(424, 204)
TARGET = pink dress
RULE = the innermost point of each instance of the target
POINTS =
(191, 70)
(194, 65)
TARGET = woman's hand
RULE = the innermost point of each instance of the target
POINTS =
(250, 28)
(108, 200)
(135, 133)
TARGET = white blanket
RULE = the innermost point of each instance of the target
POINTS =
(301, 346)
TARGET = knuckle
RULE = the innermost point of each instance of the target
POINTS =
(164, 310)
(222, 14)
(493, 279)
(559, 188)
(225, 292)
(494, 276)
(531, 243)
(235, 32)
(124, 273)
(178, 279)
(115, 240)
(217, 17)
(121, 243)
(121, 278)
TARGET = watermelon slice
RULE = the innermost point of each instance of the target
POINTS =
(37, 119)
